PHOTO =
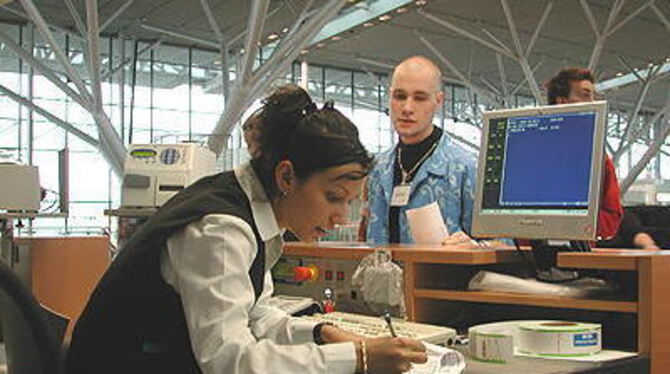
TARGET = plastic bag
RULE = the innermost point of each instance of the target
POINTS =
(380, 281)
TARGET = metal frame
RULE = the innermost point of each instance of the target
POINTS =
(110, 143)
(651, 152)
(116, 15)
(84, 94)
(519, 54)
(464, 80)
(26, 101)
(248, 85)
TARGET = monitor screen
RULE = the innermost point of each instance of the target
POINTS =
(535, 172)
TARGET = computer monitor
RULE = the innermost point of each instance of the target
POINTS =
(540, 171)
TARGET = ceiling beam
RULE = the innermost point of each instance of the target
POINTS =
(175, 34)
(46, 114)
(630, 78)
(652, 151)
(450, 65)
(43, 28)
(521, 55)
(47, 72)
(349, 19)
(357, 15)
(111, 143)
(246, 90)
(661, 16)
(116, 15)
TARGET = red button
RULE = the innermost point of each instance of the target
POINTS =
(302, 273)
(328, 275)
(340, 275)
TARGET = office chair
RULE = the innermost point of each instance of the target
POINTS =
(31, 344)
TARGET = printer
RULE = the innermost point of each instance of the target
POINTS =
(153, 173)
(20, 189)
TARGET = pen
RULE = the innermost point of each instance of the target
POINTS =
(387, 317)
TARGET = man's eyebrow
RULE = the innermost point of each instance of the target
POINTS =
(354, 175)
(419, 92)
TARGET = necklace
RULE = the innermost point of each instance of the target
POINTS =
(405, 175)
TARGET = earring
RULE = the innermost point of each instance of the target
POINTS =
(284, 193)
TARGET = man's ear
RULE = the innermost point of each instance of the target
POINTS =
(284, 177)
(440, 98)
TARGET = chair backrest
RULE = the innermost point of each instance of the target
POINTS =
(31, 346)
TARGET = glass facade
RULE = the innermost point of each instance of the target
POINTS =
(165, 94)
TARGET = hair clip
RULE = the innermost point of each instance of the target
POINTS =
(309, 108)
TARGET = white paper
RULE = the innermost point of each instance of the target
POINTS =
(441, 360)
(426, 224)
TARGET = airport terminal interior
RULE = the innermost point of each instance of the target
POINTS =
(531, 233)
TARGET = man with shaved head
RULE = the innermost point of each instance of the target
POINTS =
(425, 166)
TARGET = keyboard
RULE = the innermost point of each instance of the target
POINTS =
(375, 327)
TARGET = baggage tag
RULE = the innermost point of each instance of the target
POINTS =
(400, 196)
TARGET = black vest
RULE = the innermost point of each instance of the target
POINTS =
(134, 321)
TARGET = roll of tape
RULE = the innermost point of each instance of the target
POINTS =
(497, 342)
(493, 342)
(559, 338)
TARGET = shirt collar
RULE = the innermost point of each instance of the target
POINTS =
(264, 216)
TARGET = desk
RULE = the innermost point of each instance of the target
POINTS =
(424, 269)
(634, 365)
(63, 271)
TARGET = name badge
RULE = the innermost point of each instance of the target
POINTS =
(400, 196)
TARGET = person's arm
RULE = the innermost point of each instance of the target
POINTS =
(611, 211)
(269, 322)
(208, 267)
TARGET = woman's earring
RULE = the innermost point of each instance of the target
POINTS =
(284, 193)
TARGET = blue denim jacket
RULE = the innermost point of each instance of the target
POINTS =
(447, 176)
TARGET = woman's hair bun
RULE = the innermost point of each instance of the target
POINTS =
(286, 106)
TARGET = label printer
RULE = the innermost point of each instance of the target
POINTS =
(154, 173)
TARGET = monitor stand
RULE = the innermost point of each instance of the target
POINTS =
(545, 251)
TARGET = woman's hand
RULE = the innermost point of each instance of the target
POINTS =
(393, 355)
(331, 334)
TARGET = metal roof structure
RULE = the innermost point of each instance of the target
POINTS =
(494, 47)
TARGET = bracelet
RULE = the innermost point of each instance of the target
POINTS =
(364, 353)
(316, 332)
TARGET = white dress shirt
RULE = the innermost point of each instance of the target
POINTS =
(207, 263)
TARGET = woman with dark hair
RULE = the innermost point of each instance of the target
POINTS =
(189, 292)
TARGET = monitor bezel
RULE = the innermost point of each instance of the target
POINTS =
(543, 226)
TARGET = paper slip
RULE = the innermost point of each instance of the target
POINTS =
(441, 360)
(426, 224)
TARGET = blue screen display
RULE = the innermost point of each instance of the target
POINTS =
(547, 160)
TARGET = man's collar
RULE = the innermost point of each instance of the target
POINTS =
(261, 208)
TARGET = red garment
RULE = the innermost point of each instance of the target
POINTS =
(611, 211)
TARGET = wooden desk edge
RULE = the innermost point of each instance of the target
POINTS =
(404, 253)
